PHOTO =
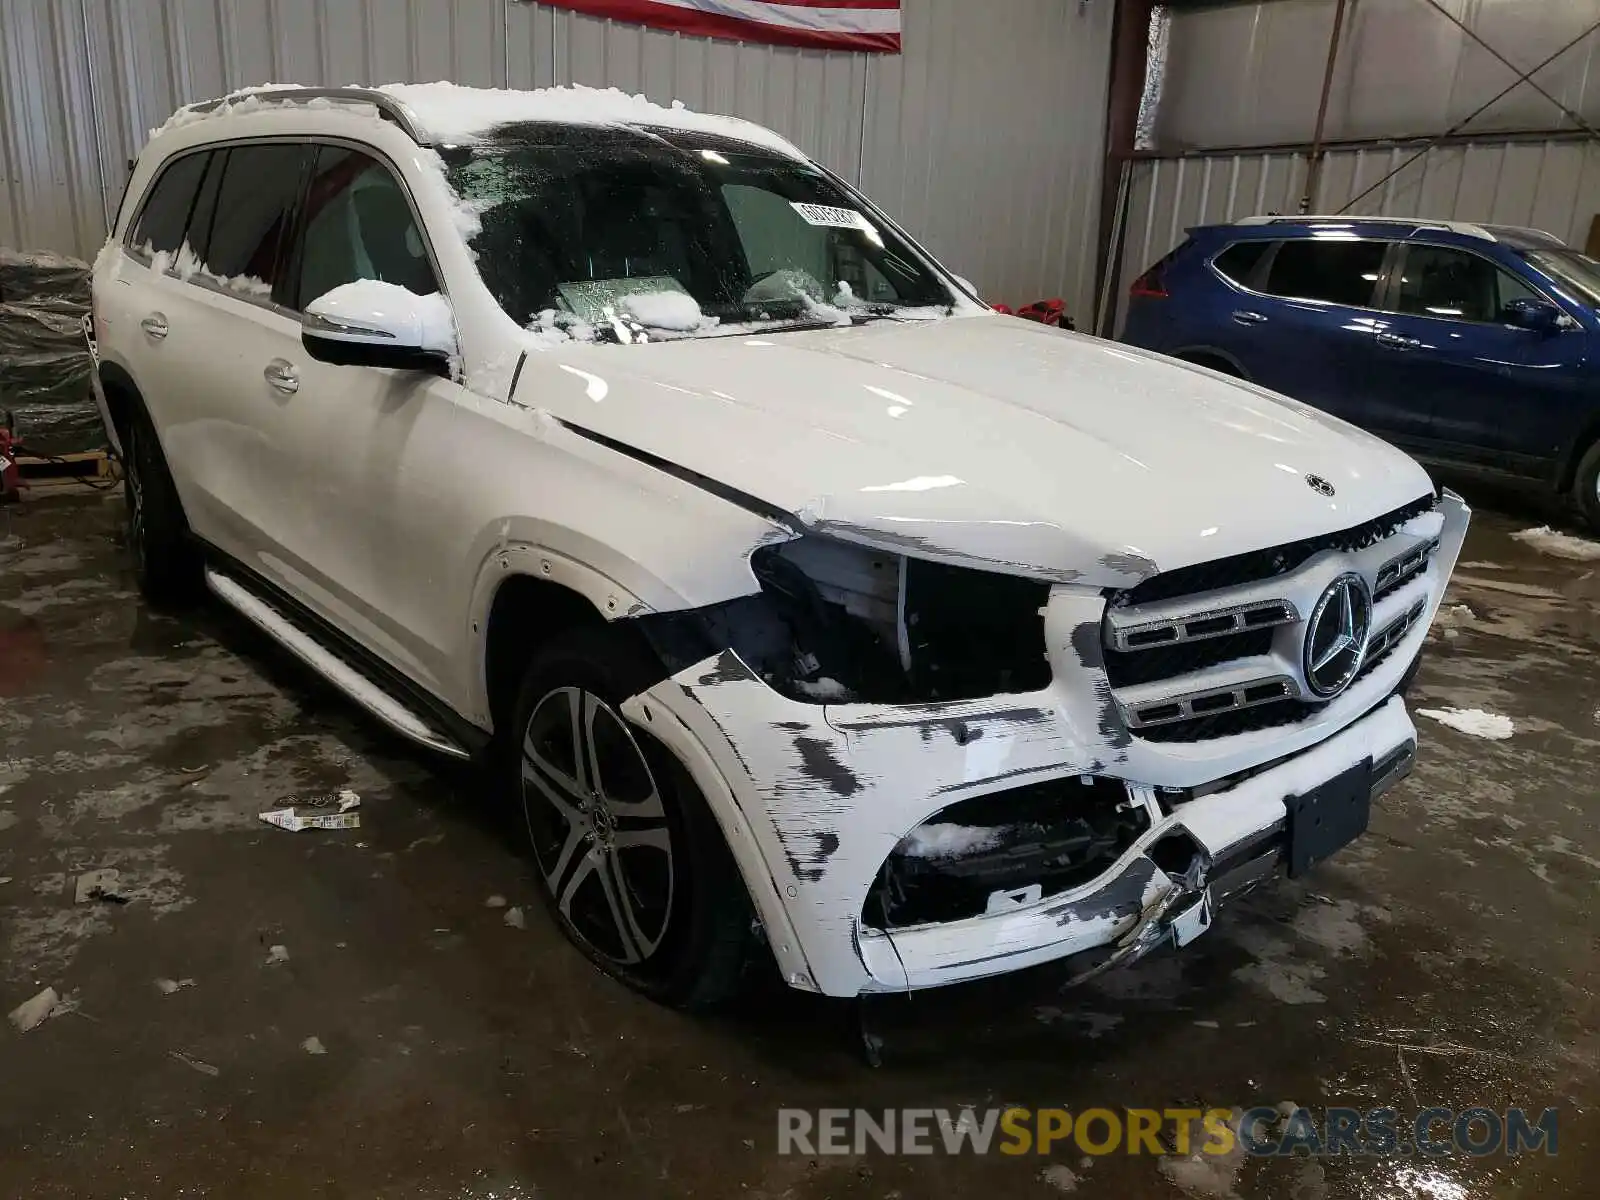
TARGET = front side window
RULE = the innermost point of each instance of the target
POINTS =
(1337, 271)
(166, 214)
(358, 225)
(1578, 272)
(1439, 281)
(254, 205)
(616, 230)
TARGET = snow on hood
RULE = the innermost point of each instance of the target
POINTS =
(986, 439)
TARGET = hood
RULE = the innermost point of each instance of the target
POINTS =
(985, 440)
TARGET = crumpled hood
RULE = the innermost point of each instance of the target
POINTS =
(985, 439)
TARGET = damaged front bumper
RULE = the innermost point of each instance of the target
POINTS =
(1239, 836)
(815, 800)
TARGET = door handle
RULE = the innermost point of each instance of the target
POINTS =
(155, 325)
(282, 375)
(1398, 342)
(1246, 317)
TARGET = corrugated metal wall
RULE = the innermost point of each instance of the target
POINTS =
(1249, 74)
(1552, 185)
(984, 138)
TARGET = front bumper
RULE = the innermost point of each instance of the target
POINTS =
(813, 799)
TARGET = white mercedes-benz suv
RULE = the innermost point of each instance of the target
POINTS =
(797, 598)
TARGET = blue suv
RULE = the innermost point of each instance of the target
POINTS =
(1468, 345)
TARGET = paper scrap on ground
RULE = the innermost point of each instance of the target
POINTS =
(313, 1045)
(99, 885)
(495, 901)
(1060, 1177)
(167, 986)
(311, 816)
(515, 919)
(30, 1014)
(277, 954)
(1559, 545)
(190, 1060)
(1472, 721)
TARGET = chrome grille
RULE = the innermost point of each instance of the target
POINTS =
(1210, 704)
(1202, 626)
(1223, 660)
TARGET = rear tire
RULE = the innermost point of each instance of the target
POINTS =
(164, 558)
(1586, 487)
(627, 855)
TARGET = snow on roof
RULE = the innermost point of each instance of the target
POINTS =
(449, 113)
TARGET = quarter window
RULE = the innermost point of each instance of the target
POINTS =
(1438, 281)
(254, 203)
(166, 213)
(359, 225)
(1238, 261)
(1339, 272)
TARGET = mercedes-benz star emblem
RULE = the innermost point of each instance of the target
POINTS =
(1336, 636)
(1319, 485)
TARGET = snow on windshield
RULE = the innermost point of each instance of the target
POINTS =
(661, 237)
(670, 310)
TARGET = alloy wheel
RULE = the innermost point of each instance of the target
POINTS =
(597, 824)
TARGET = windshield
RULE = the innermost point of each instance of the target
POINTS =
(628, 235)
(1578, 272)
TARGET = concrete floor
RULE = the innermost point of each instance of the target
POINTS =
(1448, 958)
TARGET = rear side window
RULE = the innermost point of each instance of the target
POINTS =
(359, 225)
(166, 213)
(1338, 272)
(254, 205)
(1436, 281)
(1238, 261)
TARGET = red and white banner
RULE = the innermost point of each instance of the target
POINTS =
(818, 24)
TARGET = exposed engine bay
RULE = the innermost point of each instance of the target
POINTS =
(835, 622)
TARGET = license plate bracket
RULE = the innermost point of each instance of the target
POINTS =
(1328, 817)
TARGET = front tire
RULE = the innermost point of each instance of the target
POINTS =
(164, 559)
(1586, 487)
(627, 855)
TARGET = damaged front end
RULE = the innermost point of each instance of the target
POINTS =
(835, 622)
(929, 776)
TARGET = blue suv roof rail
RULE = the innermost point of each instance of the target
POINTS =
(1464, 228)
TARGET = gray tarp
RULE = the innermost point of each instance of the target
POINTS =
(44, 363)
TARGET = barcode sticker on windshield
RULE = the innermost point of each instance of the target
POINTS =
(831, 218)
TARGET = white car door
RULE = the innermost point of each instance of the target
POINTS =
(210, 342)
(366, 439)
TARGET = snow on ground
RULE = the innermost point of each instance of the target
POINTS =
(1559, 545)
(1472, 721)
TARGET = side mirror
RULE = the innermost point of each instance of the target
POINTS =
(1527, 313)
(372, 324)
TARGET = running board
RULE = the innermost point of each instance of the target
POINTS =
(368, 694)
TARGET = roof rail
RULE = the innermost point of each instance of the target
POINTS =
(389, 108)
(1465, 228)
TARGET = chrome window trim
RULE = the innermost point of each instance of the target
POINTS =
(1282, 241)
